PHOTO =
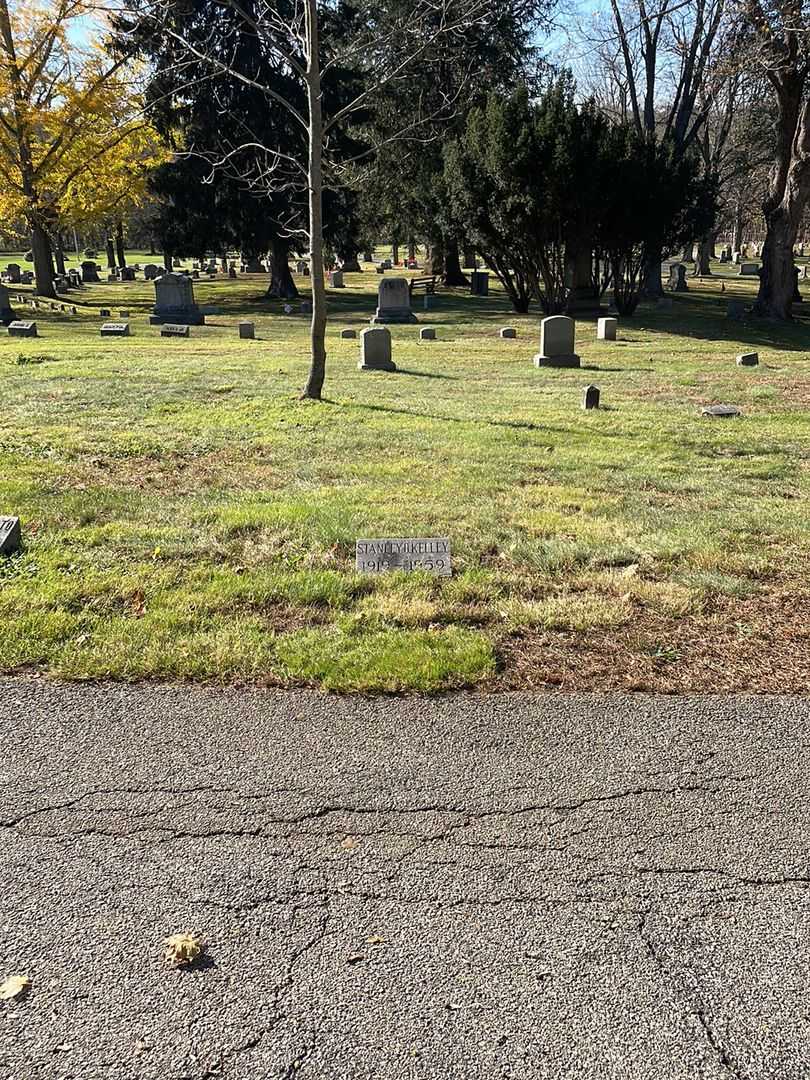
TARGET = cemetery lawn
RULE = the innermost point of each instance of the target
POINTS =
(185, 516)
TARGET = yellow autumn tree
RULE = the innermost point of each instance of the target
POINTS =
(70, 123)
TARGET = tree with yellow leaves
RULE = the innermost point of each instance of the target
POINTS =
(72, 132)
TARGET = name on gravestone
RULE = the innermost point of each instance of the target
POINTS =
(174, 330)
(115, 329)
(405, 554)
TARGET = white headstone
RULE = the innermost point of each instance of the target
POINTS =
(557, 343)
(394, 302)
(606, 329)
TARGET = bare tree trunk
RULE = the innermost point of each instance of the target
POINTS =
(282, 285)
(110, 253)
(119, 244)
(168, 261)
(395, 252)
(317, 370)
(43, 262)
(738, 229)
(653, 287)
(453, 274)
(703, 266)
(784, 207)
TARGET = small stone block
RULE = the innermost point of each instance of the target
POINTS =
(123, 314)
(105, 313)
(508, 332)
(115, 329)
(590, 397)
(22, 329)
(174, 330)
(722, 412)
(306, 307)
(348, 335)
(748, 359)
(10, 535)
(427, 333)
(247, 331)
(606, 329)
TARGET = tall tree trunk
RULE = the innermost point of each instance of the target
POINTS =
(76, 246)
(705, 251)
(152, 248)
(652, 287)
(59, 255)
(395, 252)
(110, 253)
(411, 250)
(119, 244)
(453, 274)
(168, 261)
(317, 370)
(738, 228)
(43, 262)
(282, 285)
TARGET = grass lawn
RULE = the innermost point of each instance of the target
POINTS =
(186, 516)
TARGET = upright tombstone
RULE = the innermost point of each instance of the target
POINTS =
(375, 350)
(590, 397)
(6, 311)
(508, 332)
(557, 343)
(606, 329)
(232, 272)
(394, 302)
(736, 258)
(748, 359)
(150, 272)
(301, 267)
(749, 269)
(127, 273)
(13, 273)
(479, 283)
(254, 266)
(247, 331)
(115, 329)
(336, 279)
(677, 278)
(174, 302)
(427, 333)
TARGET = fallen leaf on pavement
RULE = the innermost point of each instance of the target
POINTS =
(15, 986)
(183, 949)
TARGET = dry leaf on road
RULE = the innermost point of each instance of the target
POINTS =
(15, 986)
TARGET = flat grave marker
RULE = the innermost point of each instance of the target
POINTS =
(384, 556)
(174, 330)
(115, 329)
(18, 328)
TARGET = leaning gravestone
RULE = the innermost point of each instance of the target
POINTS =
(606, 329)
(6, 311)
(677, 278)
(557, 343)
(405, 554)
(13, 273)
(10, 535)
(394, 302)
(375, 350)
(22, 329)
(174, 302)
(115, 329)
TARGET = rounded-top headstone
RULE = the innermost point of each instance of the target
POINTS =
(427, 333)
(508, 332)
(557, 343)
(606, 329)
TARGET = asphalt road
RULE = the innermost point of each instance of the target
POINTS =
(469, 887)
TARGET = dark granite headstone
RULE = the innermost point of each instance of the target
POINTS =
(590, 397)
(10, 535)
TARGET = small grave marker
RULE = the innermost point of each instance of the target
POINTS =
(115, 329)
(722, 412)
(590, 397)
(748, 359)
(174, 330)
(405, 554)
(10, 535)
(348, 335)
(508, 332)
(606, 329)
(247, 331)
(19, 328)
(427, 333)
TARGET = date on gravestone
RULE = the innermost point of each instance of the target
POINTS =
(384, 556)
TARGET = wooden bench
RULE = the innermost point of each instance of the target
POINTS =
(426, 283)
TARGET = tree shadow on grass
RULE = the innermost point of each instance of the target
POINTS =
(426, 374)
